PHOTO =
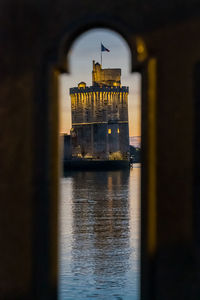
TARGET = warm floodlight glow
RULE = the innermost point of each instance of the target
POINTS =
(118, 131)
(140, 49)
(96, 112)
(82, 85)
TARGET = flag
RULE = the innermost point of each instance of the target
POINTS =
(104, 48)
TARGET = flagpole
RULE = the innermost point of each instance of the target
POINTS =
(101, 56)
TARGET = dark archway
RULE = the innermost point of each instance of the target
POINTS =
(55, 65)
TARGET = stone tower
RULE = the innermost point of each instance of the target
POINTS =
(100, 117)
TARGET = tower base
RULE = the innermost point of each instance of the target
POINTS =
(96, 165)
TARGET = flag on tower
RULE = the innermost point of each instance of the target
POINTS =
(103, 48)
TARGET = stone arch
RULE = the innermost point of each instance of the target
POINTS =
(136, 44)
(55, 63)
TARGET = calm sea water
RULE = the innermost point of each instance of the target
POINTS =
(99, 235)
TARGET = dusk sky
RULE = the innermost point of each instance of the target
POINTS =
(86, 49)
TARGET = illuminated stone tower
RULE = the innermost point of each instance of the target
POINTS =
(100, 117)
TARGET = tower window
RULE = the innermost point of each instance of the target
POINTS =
(109, 131)
(118, 131)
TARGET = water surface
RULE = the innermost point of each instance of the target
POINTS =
(99, 235)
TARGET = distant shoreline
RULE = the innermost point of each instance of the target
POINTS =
(135, 141)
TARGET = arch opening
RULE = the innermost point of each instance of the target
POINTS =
(95, 229)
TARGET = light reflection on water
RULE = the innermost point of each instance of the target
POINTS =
(99, 235)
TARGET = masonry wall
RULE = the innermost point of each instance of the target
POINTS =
(35, 37)
(95, 110)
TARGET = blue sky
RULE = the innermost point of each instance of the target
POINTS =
(83, 51)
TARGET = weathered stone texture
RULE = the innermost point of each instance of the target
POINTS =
(98, 114)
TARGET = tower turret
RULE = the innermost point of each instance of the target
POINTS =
(100, 116)
(105, 77)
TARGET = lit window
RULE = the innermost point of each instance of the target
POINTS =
(109, 131)
(118, 130)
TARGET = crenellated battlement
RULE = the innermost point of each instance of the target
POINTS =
(90, 89)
